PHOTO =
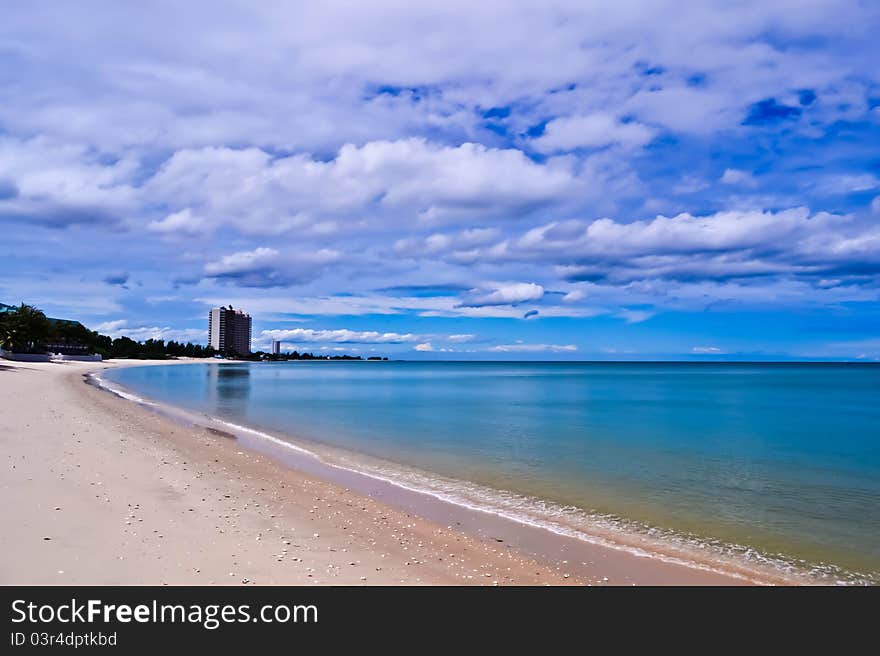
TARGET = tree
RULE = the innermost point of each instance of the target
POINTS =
(5, 330)
(25, 330)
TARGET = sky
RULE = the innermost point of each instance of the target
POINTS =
(585, 180)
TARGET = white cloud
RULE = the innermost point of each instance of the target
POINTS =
(60, 184)
(399, 149)
(574, 296)
(848, 183)
(256, 193)
(533, 348)
(706, 350)
(120, 328)
(267, 267)
(229, 86)
(242, 262)
(591, 131)
(718, 246)
(690, 185)
(183, 222)
(635, 316)
(111, 327)
(425, 347)
(507, 294)
(462, 243)
(340, 336)
(738, 177)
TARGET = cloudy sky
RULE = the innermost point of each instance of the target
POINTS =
(560, 180)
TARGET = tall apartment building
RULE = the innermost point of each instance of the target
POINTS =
(276, 347)
(229, 331)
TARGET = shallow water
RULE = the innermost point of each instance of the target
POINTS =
(778, 462)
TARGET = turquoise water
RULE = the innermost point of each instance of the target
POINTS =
(783, 459)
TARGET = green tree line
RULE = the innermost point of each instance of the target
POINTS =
(27, 330)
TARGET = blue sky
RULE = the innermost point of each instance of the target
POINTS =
(554, 180)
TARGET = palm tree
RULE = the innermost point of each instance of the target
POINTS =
(25, 329)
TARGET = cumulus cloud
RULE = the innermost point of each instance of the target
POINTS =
(183, 222)
(424, 347)
(426, 149)
(400, 180)
(509, 294)
(408, 70)
(727, 245)
(592, 131)
(121, 328)
(242, 262)
(720, 246)
(463, 245)
(340, 336)
(58, 184)
(267, 267)
(738, 177)
(111, 327)
(848, 183)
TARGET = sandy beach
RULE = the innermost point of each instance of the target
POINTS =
(100, 490)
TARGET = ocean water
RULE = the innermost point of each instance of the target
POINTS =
(773, 463)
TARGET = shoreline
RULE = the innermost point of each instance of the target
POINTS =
(575, 540)
(527, 554)
(106, 492)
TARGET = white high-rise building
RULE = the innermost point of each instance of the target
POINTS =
(229, 331)
(276, 347)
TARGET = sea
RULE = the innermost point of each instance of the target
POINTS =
(771, 465)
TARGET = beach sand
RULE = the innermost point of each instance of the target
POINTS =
(100, 490)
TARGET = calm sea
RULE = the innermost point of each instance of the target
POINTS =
(775, 462)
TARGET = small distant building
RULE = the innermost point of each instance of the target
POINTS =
(65, 339)
(276, 347)
(229, 331)
(69, 338)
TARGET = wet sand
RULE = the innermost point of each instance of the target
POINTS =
(101, 490)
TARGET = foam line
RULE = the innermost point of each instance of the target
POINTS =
(737, 561)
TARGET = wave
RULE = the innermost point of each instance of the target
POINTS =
(642, 540)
